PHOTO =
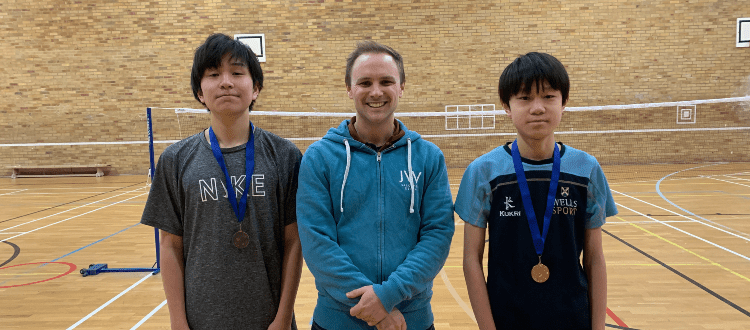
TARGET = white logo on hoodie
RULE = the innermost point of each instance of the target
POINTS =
(405, 179)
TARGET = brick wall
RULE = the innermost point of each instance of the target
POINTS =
(84, 71)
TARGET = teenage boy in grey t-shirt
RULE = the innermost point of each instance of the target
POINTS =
(226, 265)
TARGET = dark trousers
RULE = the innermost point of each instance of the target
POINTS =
(315, 326)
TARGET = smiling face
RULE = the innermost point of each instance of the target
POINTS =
(375, 88)
(228, 88)
(536, 114)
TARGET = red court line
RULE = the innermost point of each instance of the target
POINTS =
(615, 318)
(72, 267)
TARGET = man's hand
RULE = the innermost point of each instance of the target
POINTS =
(394, 321)
(369, 308)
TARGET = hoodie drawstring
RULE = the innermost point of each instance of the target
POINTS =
(411, 179)
(346, 172)
(348, 165)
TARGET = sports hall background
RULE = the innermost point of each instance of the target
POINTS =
(85, 71)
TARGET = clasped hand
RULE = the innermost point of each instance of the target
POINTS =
(371, 310)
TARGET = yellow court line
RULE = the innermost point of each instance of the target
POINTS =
(686, 250)
(650, 182)
(654, 195)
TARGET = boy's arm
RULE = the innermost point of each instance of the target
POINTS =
(596, 272)
(474, 274)
(173, 277)
(291, 271)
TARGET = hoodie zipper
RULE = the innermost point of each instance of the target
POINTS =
(381, 194)
(381, 239)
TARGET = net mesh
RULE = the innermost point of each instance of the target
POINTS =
(668, 133)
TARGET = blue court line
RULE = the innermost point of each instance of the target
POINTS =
(658, 191)
(79, 249)
(96, 241)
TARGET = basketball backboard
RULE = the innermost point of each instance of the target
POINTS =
(743, 32)
(256, 42)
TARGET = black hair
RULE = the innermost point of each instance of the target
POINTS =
(533, 69)
(372, 47)
(209, 55)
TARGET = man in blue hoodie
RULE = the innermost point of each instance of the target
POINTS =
(374, 208)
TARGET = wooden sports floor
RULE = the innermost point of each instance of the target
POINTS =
(678, 254)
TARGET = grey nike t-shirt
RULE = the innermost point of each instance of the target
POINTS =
(227, 287)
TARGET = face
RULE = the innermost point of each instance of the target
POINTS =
(228, 88)
(375, 88)
(536, 114)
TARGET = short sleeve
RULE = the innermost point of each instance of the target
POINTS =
(600, 203)
(163, 205)
(474, 196)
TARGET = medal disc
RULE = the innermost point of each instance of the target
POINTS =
(540, 273)
(240, 239)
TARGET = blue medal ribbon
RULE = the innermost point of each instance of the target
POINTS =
(239, 208)
(526, 197)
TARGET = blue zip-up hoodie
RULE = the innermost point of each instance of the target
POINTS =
(374, 218)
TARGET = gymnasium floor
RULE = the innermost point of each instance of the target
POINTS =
(678, 254)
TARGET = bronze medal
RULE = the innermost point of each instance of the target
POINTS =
(540, 272)
(240, 239)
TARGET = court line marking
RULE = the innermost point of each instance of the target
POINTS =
(684, 232)
(675, 271)
(646, 182)
(686, 250)
(32, 274)
(84, 187)
(16, 252)
(68, 210)
(73, 217)
(615, 318)
(74, 201)
(654, 222)
(143, 320)
(677, 214)
(109, 302)
(456, 297)
(734, 177)
(744, 185)
(71, 268)
(97, 241)
(658, 190)
(33, 194)
(649, 265)
(13, 192)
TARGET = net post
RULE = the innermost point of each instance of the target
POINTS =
(151, 171)
(95, 269)
(150, 144)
